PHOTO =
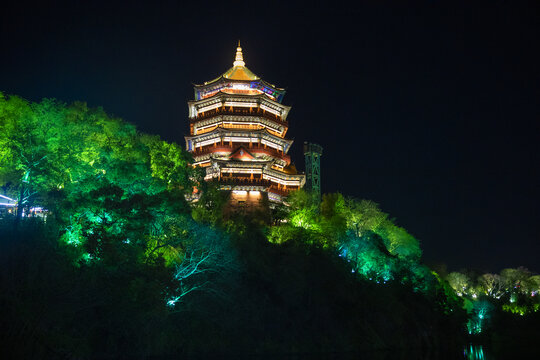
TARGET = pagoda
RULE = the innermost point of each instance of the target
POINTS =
(237, 133)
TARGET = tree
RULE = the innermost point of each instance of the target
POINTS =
(398, 241)
(333, 221)
(532, 285)
(514, 278)
(363, 215)
(205, 259)
(480, 316)
(303, 210)
(30, 133)
(368, 256)
(169, 162)
(459, 282)
(492, 285)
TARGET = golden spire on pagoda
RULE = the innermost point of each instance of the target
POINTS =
(239, 71)
(239, 59)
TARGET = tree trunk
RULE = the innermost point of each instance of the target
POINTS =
(18, 214)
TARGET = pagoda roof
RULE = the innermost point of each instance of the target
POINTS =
(238, 72)
(239, 132)
(290, 169)
(223, 78)
(224, 94)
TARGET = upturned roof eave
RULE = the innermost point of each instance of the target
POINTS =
(219, 129)
(223, 78)
(221, 93)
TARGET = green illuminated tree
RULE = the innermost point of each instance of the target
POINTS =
(514, 279)
(333, 221)
(459, 282)
(480, 316)
(363, 215)
(30, 134)
(492, 285)
(169, 162)
(205, 259)
(369, 256)
(303, 210)
(48, 146)
(398, 241)
(532, 285)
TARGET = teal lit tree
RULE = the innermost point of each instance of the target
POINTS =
(480, 316)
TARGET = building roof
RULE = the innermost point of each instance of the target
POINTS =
(290, 169)
(223, 95)
(262, 133)
(239, 72)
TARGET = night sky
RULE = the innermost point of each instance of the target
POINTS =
(430, 110)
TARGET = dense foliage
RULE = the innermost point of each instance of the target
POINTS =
(358, 230)
(494, 301)
(122, 264)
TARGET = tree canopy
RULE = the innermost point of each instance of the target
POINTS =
(135, 257)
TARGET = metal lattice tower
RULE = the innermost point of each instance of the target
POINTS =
(313, 153)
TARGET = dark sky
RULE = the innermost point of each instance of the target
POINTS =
(430, 110)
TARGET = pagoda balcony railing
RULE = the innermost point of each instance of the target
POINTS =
(256, 148)
(247, 181)
(239, 111)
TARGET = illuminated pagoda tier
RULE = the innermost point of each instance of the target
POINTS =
(237, 132)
